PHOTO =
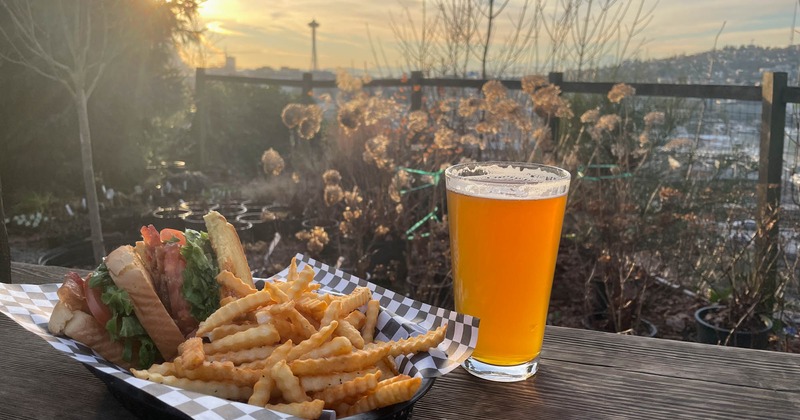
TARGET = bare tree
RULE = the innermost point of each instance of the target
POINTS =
(69, 42)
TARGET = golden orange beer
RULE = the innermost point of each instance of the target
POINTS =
(504, 241)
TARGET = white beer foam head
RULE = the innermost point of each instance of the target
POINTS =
(507, 180)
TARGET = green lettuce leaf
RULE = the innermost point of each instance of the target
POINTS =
(123, 325)
(200, 287)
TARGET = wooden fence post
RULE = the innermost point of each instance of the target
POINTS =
(416, 90)
(201, 113)
(770, 168)
(556, 79)
(308, 88)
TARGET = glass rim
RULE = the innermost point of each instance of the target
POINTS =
(560, 174)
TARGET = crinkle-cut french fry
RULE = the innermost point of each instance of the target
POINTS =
(331, 313)
(239, 288)
(356, 360)
(356, 319)
(312, 342)
(262, 390)
(300, 285)
(368, 330)
(279, 354)
(219, 389)
(285, 329)
(288, 383)
(313, 287)
(388, 367)
(312, 305)
(219, 371)
(417, 343)
(166, 369)
(192, 354)
(228, 329)
(230, 311)
(354, 300)
(226, 300)
(357, 386)
(301, 323)
(350, 332)
(239, 357)
(292, 274)
(337, 346)
(278, 295)
(319, 382)
(386, 395)
(278, 308)
(262, 335)
(303, 410)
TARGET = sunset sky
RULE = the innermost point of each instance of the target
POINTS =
(275, 32)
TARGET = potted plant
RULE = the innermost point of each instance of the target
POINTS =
(743, 286)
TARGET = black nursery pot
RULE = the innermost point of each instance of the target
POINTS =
(169, 217)
(262, 230)
(711, 334)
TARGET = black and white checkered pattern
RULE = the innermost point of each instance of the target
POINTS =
(31, 306)
(403, 317)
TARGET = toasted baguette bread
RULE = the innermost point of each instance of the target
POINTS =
(130, 274)
(83, 327)
(227, 247)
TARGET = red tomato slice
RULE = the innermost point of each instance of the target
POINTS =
(99, 310)
(167, 234)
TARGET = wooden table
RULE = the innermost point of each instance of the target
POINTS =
(584, 375)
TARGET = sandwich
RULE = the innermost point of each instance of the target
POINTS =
(144, 300)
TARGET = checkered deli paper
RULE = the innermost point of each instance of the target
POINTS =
(401, 317)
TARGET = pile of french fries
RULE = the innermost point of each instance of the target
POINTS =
(294, 350)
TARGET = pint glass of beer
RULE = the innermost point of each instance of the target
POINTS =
(505, 225)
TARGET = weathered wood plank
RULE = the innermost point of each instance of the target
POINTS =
(38, 381)
(584, 374)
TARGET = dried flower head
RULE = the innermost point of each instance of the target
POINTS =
(493, 90)
(547, 102)
(331, 177)
(381, 230)
(296, 177)
(533, 82)
(347, 83)
(467, 107)
(333, 194)
(417, 121)
(445, 138)
(470, 140)
(376, 150)
(293, 115)
(353, 197)
(619, 92)
(316, 239)
(400, 181)
(272, 162)
(608, 122)
(590, 116)
(653, 118)
(350, 115)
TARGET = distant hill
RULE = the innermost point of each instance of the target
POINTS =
(731, 66)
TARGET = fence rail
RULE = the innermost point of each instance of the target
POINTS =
(774, 94)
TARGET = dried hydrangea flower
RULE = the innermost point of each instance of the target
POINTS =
(331, 177)
(333, 194)
(376, 150)
(293, 115)
(272, 162)
(493, 90)
(467, 107)
(445, 138)
(417, 121)
(533, 82)
(381, 230)
(590, 116)
(350, 116)
(353, 198)
(619, 92)
(347, 83)
(608, 122)
(653, 118)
